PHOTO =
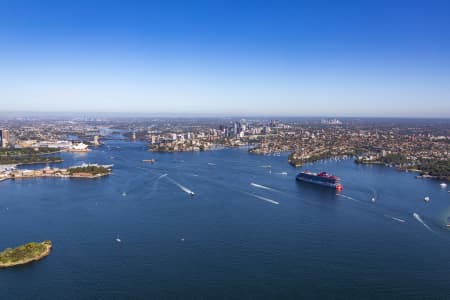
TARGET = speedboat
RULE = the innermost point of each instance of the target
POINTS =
(443, 185)
(426, 199)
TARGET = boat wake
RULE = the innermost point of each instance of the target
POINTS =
(265, 199)
(211, 164)
(418, 218)
(262, 187)
(348, 197)
(282, 173)
(162, 176)
(395, 219)
(156, 183)
(182, 187)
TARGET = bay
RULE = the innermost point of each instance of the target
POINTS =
(250, 231)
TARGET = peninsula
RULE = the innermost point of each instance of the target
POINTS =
(24, 254)
(88, 171)
(28, 156)
(437, 169)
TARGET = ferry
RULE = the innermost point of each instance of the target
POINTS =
(322, 178)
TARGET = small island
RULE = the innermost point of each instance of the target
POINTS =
(89, 171)
(24, 254)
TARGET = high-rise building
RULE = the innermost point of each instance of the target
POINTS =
(4, 137)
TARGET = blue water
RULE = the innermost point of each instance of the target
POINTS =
(230, 241)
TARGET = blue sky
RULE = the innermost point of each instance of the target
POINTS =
(287, 58)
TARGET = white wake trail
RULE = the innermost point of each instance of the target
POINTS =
(266, 166)
(265, 199)
(396, 219)
(418, 218)
(348, 197)
(182, 187)
(262, 187)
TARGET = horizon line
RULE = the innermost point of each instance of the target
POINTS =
(208, 115)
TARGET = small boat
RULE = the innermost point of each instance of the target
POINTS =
(118, 239)
(124, 194)
(373, 199)
(443, 185)
(426, 199)
(192, 194)
(149, 160)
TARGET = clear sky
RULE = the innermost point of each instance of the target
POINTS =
(293, 58)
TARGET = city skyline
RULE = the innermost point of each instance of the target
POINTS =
(284, 58)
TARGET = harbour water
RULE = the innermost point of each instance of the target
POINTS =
(250, 231)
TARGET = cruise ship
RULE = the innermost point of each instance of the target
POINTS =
(322, 178)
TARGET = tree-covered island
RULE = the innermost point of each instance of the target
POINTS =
(89, 171)
(24, 254)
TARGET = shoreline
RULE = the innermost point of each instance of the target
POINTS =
(83, 172)
(33, 163)
(35, 154)
(57, 176)
(422, 175)
(40, 163)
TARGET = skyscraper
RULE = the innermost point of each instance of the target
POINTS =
(96, 142)
(4, 137)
